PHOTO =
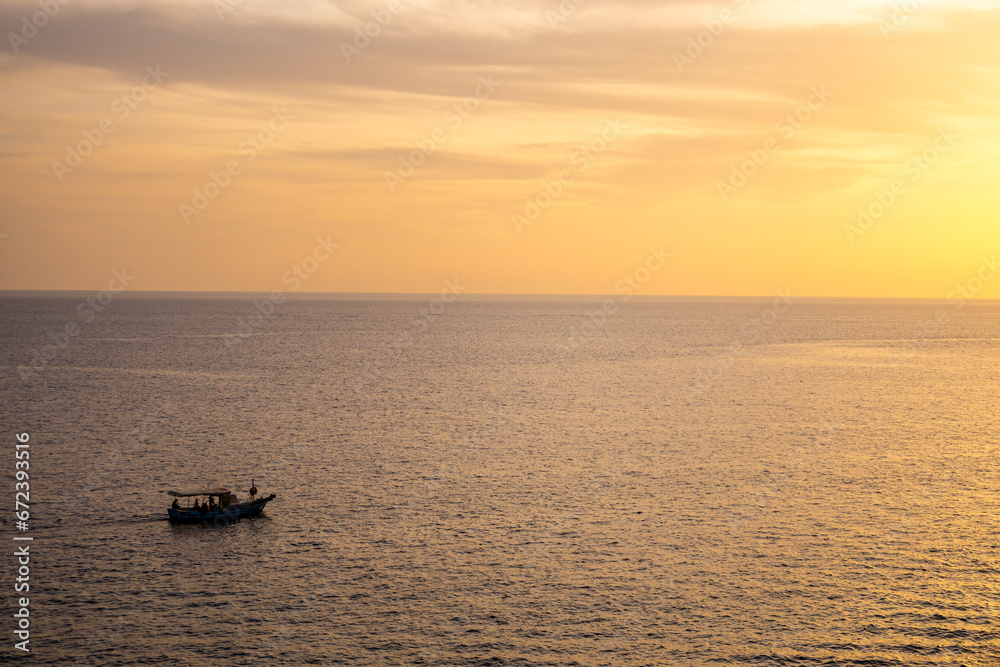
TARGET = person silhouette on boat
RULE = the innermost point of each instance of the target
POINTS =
(203, 508)
(175, 505)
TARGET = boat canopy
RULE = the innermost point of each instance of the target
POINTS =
(203, 492)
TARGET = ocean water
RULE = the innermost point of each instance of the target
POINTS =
(509, 482)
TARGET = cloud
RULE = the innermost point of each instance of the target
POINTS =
(560, 82)
(890, 93)
(582, 65)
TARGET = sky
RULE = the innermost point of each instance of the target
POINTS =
(738, 147)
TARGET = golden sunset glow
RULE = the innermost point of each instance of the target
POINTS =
(833, 149)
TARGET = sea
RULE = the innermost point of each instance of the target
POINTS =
(488, 480)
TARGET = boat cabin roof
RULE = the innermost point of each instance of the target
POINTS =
(202, 492)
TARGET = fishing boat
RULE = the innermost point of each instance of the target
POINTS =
(216, 506)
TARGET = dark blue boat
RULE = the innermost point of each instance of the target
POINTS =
(215, 512)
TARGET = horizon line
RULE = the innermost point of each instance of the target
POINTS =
(520, 296)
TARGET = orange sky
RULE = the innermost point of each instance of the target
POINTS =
(522, 147)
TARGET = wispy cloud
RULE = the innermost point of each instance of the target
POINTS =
(560, 81)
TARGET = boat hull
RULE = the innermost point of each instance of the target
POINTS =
(220, 516)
